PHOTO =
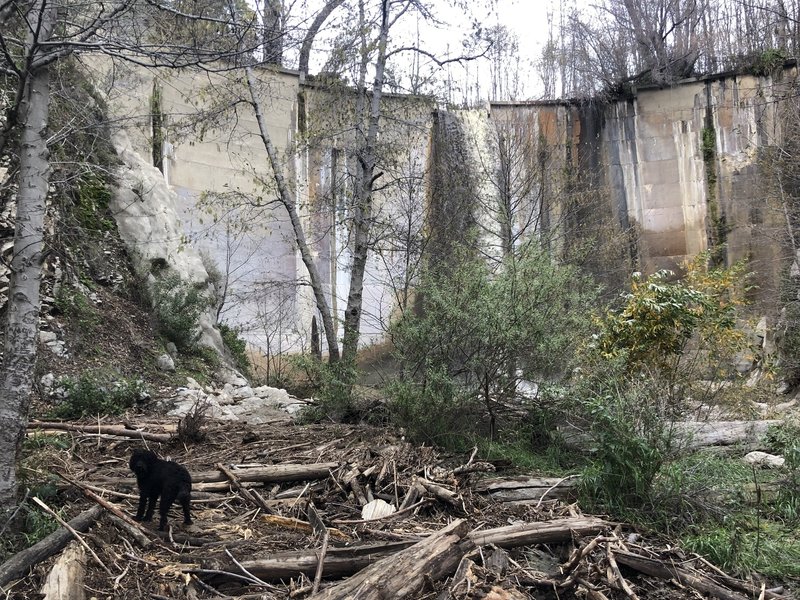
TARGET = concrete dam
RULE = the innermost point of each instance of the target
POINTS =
(642, 182)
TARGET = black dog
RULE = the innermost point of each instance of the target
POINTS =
(156, 477)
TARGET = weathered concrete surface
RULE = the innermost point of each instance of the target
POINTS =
(634, 175)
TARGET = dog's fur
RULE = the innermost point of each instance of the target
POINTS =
(156, 477)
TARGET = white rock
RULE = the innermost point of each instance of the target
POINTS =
(47, 336)
(47, 381)
(144, 208)
(213, 410)
(192, 384)
(223, 398)
(57, 347)
(165, 363)
(231, 377)
(376, 509)
(243, 392)
(255, 410)
(763, 459)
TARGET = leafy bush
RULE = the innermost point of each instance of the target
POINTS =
(639, 368)
(237, 347)
(478, 332)
(331, 385)
(434, 411)
(91, 200)
(74, 305)
(631, 441)
(789, 344)
(178, 306)
(98, 392)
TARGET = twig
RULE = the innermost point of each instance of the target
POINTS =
(253, 498)
(74, 533)
(320, 563)
(253, 578)
(552, 487)
(591, 590)
(301, 494)
(618, 574)
(578, 554)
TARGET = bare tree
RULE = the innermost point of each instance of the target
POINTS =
(663, 41)
(33, 37)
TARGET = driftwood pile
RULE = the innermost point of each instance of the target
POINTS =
(288, 511)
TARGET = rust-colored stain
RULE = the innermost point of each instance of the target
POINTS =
(549, 121)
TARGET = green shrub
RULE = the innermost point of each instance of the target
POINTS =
(631, 443)
(92, 197)
(477, 330)
(784, 439)
(638, 369)
(98, 393)
(75, 306)
(237, 347)
(739, 546)
(178, 306)
(331, 385)
(435, 411)
(789, 344)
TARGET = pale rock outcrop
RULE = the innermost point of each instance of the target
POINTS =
(165, 363)
(263, 404)
(144, 209)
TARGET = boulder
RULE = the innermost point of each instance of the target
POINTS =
(47, 336)
(763, 459)
(165, 363)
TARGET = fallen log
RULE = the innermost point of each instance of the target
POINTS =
(65, 579)
(102, 429)
(19, 564)
(250, 496)
(699, 434)
(527, 489)
(544, 532)
(406, 573)
(340, 562)
(669, 570)
(263, 474)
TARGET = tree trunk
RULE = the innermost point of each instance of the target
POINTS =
(273, 32)
(18, 565)
(313, 30)
(287, 199)
(362, 209)
(22, 325)
(407, 573)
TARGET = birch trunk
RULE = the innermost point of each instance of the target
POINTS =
(287, 199)
(362, 209)
(22, 325)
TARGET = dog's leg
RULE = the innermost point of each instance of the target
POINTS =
(185, 502)
(151, 505)
(142, 504)
(167, 498)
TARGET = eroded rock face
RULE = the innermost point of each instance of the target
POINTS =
(259, 405)
(144, 208)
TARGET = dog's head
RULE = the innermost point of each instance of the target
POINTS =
(142, 461)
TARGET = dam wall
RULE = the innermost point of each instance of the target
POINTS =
(644, 182)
